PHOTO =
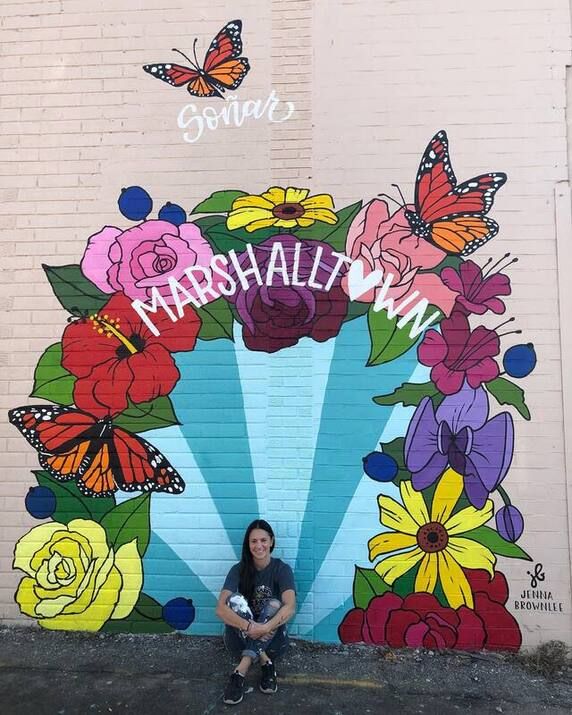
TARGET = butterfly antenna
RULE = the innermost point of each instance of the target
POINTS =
(174, 49)
(195, 51)
(400, 194)
(387, 196)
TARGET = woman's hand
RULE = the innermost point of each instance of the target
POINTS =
(257, 631)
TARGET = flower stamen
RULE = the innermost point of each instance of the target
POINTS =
(111, 328)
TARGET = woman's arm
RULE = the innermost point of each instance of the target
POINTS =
(285, 613)
(227, 615)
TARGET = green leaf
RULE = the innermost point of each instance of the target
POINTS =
(71, 503)
(218, 202)
(388, 341)
(409, 393)
(146, 617)
(51, 381)
(395, 450)
(355, 310)
(147, 415)
(216, 320)
(334, 235)
(506, 392)
(73, 290)
(127, 521)
(367, 585)
(494, 541)
(222, 240)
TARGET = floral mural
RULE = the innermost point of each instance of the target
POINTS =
(279, 268)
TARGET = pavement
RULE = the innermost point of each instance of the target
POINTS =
(57, 673)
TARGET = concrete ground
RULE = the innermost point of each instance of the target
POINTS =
(51, 673)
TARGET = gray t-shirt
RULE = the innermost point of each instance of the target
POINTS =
(271, 582)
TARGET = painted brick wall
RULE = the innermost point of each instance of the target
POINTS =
(371, 83)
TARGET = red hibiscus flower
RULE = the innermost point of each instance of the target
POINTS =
(117, 358)
(420, 621)
(458, 353)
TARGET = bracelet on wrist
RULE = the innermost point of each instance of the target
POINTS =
(248, 626)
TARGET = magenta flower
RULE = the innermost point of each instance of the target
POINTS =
(459, 353)
(477, 293)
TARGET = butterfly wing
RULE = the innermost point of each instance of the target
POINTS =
(63, 437)
(435, 177)
(203, 87)
(462, 234)
(173, 74)
(226, 45)
(138, 465)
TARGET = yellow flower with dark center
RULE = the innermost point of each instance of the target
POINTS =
(434, 540)
(283, 208)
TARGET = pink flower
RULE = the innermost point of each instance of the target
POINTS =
(477, 294)
(457, 353)
(387, 243)
(145, 256)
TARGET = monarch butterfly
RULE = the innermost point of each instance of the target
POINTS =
(449, 215)
(101, 457)
(222, 68)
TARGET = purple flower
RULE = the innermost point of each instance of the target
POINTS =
(510, 523)
(460, 434)
(458, 353)
(477, 294)
(291, 307)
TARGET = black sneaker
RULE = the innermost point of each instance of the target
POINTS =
(234, 691)
(268, 682)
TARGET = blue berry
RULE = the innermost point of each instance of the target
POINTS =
(381, 467)
(173, 214)
(40, 502)
(179, 613)
(520, 360)
(135, 203)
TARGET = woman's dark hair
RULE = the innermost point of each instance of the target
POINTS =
(247, 570)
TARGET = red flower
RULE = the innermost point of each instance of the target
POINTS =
(116, 357)
(419, 620)
(477, 293)
(457, 353)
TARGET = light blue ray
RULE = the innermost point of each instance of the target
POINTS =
(208, 401)
(189, 522)
(282, 417)
(350, 424)
(166, 576)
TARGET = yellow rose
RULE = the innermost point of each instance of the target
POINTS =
(75, 581)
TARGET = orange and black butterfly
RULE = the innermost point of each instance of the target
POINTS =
(101, 457)
(222, 68)
(451, 216)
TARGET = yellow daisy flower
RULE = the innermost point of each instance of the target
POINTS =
(437, 539)
(284, 208)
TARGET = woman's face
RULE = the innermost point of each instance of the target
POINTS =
(260, 543)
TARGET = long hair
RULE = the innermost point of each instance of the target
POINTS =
(247, 569)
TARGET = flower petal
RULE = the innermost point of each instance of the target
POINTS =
(128, 563)
(261, 223)
(421, 439)
(469, 518)
(393, 567)
(454, 582)
(414, 503)
(286, 223)
(394, 516)
(449, 489)
(32, 542)
(426, 578)
(324, 215)
(295, 196)
(319, 201)
(433, 349)
(242, 217)
(387, 542)
(467, 408)
(259, 202)
(275, 194)
(471, 554)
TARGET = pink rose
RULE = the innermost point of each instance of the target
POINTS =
(387, 243)
(145, 256)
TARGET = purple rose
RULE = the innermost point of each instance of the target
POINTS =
(276, 316)
(143, 257)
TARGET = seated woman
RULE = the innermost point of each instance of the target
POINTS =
(257, 599)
